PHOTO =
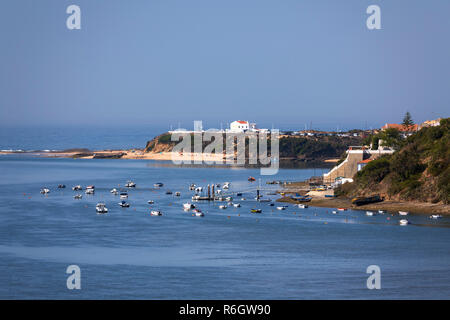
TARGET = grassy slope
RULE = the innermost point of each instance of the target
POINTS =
(419, 171)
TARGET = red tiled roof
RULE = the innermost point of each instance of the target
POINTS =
(400, 127)
(242, 122)
(365, 161)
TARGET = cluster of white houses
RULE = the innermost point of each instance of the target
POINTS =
(238, 126)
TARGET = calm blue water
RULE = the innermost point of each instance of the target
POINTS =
(61, 138)
(228, 254)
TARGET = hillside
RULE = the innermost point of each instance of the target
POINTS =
(293, 150)
(418, 171)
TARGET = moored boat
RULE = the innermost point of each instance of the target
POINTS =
(124, 204)
(45, 190)
(101, 208)
(155, 213)
(223, 207)
(77, 188)
(403, 213)
(158, 185)
(123, 195)
(404, 222)
(255, 210)
(78, 196)
(188, 206)
(370, 213)
(281, 208)
(236, 205)
(302, 206)
(130, 184)
(435, 216)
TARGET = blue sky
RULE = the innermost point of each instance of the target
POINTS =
(282, 63)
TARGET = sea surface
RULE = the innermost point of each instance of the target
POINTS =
(227, 254)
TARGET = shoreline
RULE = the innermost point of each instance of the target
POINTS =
(390, 206)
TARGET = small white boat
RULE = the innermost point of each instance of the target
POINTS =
(334, 212)
(228, 199)
(101, 208)
(150, 202)
(198, 213)
(381, 211)
(404, 222)
(435, 216)
(77, 196)
(303, 206)
(90, 191)
(61, 186)
(370, 213)
(223, 207)
(177, 194)
(403, 213)
(114, 191)
(158, 185)
(77, 188)
(130, 184)
(281, 208)
(45, 190)
(123, 195)
(124, 204)
(90, 187)
(236, 205)
(156, 213)
(188, 206)
(243, 199)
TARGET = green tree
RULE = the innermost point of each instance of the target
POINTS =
(408, 121)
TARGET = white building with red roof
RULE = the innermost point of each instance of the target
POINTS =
(239, 126)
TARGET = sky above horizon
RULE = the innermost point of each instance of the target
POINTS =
(282, 64)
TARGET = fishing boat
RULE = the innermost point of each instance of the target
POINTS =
(236, 205)
(404, 222)
(130, 184)
(101, 208)
(77, 188)
(61, 186)
(302, 199)
(188, 206)
(342, 209)
(123, 195)
(90, 187)
(403, 213)
(90, 191)
(381, 211)
(435, 216)
(334, 212)
(114, 191)
(168, 192)
(77, 196)
(251, 179)
(223, 206)
(271, 204)
(155, 213)
(370, 213)
(239, 194)
(282, 208)
(255, 210)
(243, 199)
(198, 212)
(192, 186)
(302, 206)
(177, 194)
(150, 202)
(45, 190)
(228, 199)
(158, 185)
(124, 204)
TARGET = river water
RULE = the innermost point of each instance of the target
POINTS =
(228, 254)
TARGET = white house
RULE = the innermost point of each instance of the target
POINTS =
(239, 126)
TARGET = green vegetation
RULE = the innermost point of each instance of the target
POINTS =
(407, 121)
(420, 170)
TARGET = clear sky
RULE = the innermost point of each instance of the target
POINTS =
(284, 63)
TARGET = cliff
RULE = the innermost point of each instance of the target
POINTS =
(418, 171)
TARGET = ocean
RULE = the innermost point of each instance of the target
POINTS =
(227, 254)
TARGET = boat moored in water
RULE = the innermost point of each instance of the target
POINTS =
(370, 213)
(130, 184)
(77, 188)
(256, 211)
(403, 213)
(78, 196)
(435, 216)
(302, 206)
(404, 222)
(61, 186)
(188, 206)
(158, 185)
(101, 208)
(124, 204)
(123, 195)
(155, 213)
(45, 190)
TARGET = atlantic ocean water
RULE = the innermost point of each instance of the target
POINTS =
(227, 254)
